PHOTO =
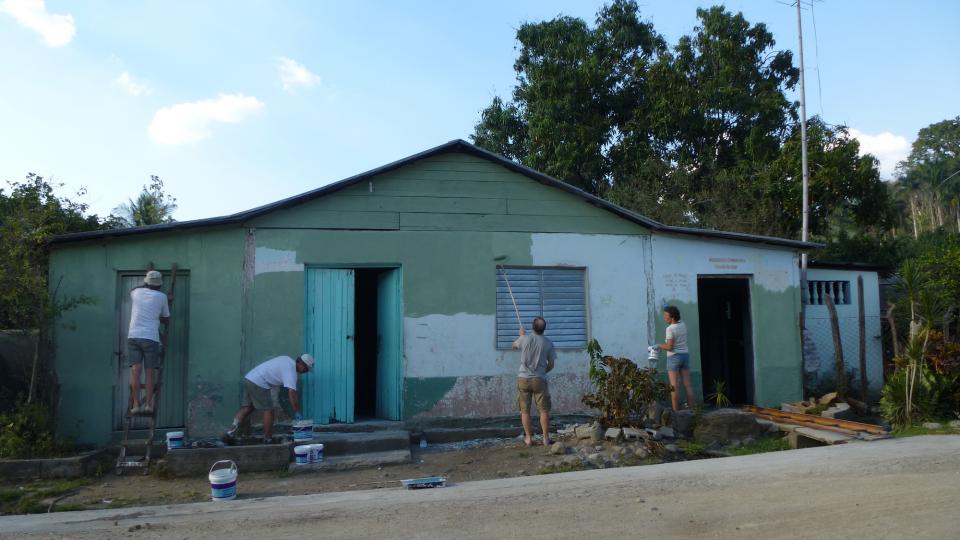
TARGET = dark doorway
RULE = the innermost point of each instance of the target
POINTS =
(726, 341)
(365, 346)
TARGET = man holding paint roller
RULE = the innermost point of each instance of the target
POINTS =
(537, 357)
(261, 386)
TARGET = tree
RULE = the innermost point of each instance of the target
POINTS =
(151, 207)
(928, 183)
(700, 134)
(30, 214)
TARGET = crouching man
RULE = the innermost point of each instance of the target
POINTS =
(261, 387)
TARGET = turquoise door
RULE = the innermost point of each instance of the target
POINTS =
(389, 344)
(328, 388)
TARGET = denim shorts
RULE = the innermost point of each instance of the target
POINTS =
(145, 351)
(678, 361)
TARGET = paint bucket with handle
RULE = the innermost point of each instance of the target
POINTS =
(223, 482)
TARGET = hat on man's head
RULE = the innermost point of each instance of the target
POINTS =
(307, 359)
(153, 278)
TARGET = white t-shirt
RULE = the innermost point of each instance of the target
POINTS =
(678, 333)
(275, 372)
(148, 306)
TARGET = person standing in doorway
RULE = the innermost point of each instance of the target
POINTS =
(150, 307)
(678, 356)
(261, 387)
(537, 358)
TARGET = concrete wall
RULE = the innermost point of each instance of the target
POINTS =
(818, 336)
(774, 305)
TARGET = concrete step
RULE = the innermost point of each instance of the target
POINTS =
(362, 426)
(339, 444)
(356, 461)
(449, 435)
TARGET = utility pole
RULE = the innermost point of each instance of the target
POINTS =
(805, 231)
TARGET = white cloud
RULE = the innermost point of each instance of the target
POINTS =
(56, 30)
(131, 85)
(890, 149)
(294, 74)
(191, 122)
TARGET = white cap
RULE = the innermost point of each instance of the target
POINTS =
(153, 278)
(307, 359)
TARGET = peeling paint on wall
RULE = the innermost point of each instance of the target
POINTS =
(497, 396)
(276, 260)
(203, 412)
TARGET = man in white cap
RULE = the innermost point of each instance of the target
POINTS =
(261, 387)
(150, 307)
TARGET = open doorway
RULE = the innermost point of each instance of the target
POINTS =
(726, 338)
(377, 355)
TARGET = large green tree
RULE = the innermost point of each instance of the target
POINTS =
(152, 206)
(701, 133)
(928, 183)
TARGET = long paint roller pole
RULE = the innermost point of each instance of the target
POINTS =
(509, 289)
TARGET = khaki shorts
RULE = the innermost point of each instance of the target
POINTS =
(535, 387)
(261, 399)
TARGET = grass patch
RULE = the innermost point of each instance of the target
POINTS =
(35, 498)
(634, 461)
(693, 449)
(817, 409)
(769, 444)
(561, 468)
(916, 430)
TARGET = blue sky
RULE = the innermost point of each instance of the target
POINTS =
(236, 104)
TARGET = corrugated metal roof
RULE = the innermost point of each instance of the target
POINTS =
(457, 145)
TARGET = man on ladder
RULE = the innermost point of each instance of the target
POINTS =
(150, 308)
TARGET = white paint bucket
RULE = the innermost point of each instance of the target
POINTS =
(174, 440)
(302, 430)
(223, 482)
(316, 453)
(301, 454)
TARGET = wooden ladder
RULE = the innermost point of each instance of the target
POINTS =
(142, 461)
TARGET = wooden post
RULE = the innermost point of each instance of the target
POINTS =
(892, 322)
(837, 346)
(863, 342)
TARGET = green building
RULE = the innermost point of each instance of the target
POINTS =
(396, 280)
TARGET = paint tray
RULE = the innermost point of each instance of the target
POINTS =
(425, 482)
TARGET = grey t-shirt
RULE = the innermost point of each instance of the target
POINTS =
(535, 352)
(678, 333)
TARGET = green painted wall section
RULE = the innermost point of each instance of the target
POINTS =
(86, 337)
(421, 394)
(451, 192)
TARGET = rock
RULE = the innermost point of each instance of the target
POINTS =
(593, 432)
(794, 408)
(667, 431)
(558, 449)
(641, 452)
(768, 426)
(955, 423)
(734, 444)
(672, 448)
(682, 422)
(599, 448)
(632, 433)
(521, 472)
(613, 434)
(654, 412)
(594, 457)
(747, 441)
(665, 417)
(617, 449)
(714, 446)
(932, 425)
(567, 431)
(839, 411)
(725, 425)
(572, 460)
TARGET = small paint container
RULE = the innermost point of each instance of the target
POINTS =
(174, 440)
(302, 431)
(301, 454)
(316, 453)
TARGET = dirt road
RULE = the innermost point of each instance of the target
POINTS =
(901, 488)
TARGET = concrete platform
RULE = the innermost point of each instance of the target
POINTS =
(85, 464)
(339, 444)
(249, 458)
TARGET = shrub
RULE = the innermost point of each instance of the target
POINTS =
(623, 391)
(26, 431)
